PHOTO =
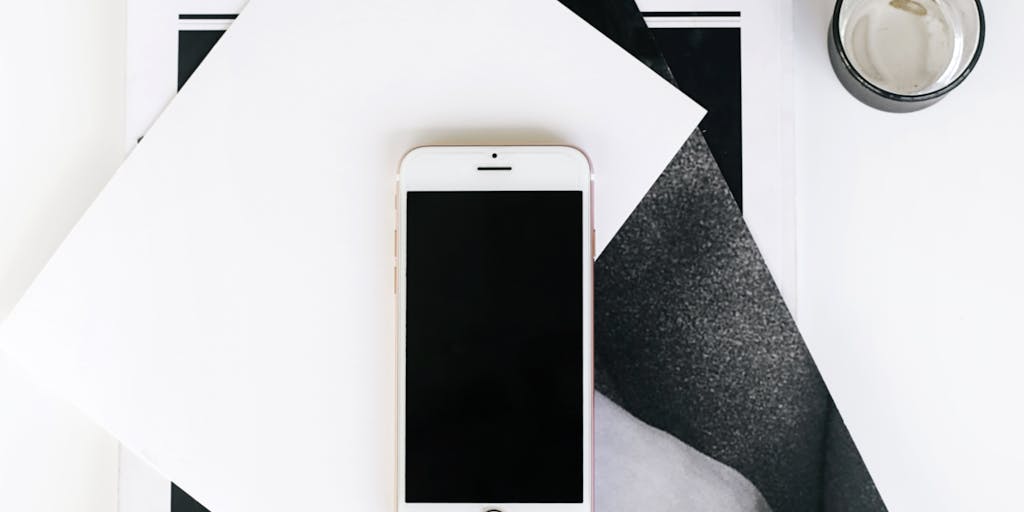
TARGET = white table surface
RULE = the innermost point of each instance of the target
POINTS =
(910, 278)
(61, 96)
(909, 275)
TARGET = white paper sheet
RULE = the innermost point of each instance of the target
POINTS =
(153, 29)
(225, 306)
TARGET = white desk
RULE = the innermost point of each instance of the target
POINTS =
(909, 273)
(910, 278)
(60, 139)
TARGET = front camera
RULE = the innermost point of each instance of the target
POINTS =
(494, 155)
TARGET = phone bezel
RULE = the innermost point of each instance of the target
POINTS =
(456, 168)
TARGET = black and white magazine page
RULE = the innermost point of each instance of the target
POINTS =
(733, 57)
(166, 41)
(700, 367)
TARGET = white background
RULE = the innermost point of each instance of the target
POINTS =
(910, 277)
(909, 231)
(61, 98)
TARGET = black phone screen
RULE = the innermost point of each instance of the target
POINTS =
(494, 347)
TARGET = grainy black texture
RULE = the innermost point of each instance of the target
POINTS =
(693, 337)
(697, 341)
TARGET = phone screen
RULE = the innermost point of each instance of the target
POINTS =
(494, 347)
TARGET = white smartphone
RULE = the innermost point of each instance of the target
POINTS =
(494, 287)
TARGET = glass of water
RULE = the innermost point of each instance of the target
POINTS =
(904, 55)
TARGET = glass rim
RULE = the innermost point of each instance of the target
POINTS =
(908, 98)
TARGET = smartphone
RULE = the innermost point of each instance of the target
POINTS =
(494, 288)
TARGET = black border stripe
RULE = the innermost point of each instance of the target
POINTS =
(207, 16)
(692, 14)
(485, 168)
